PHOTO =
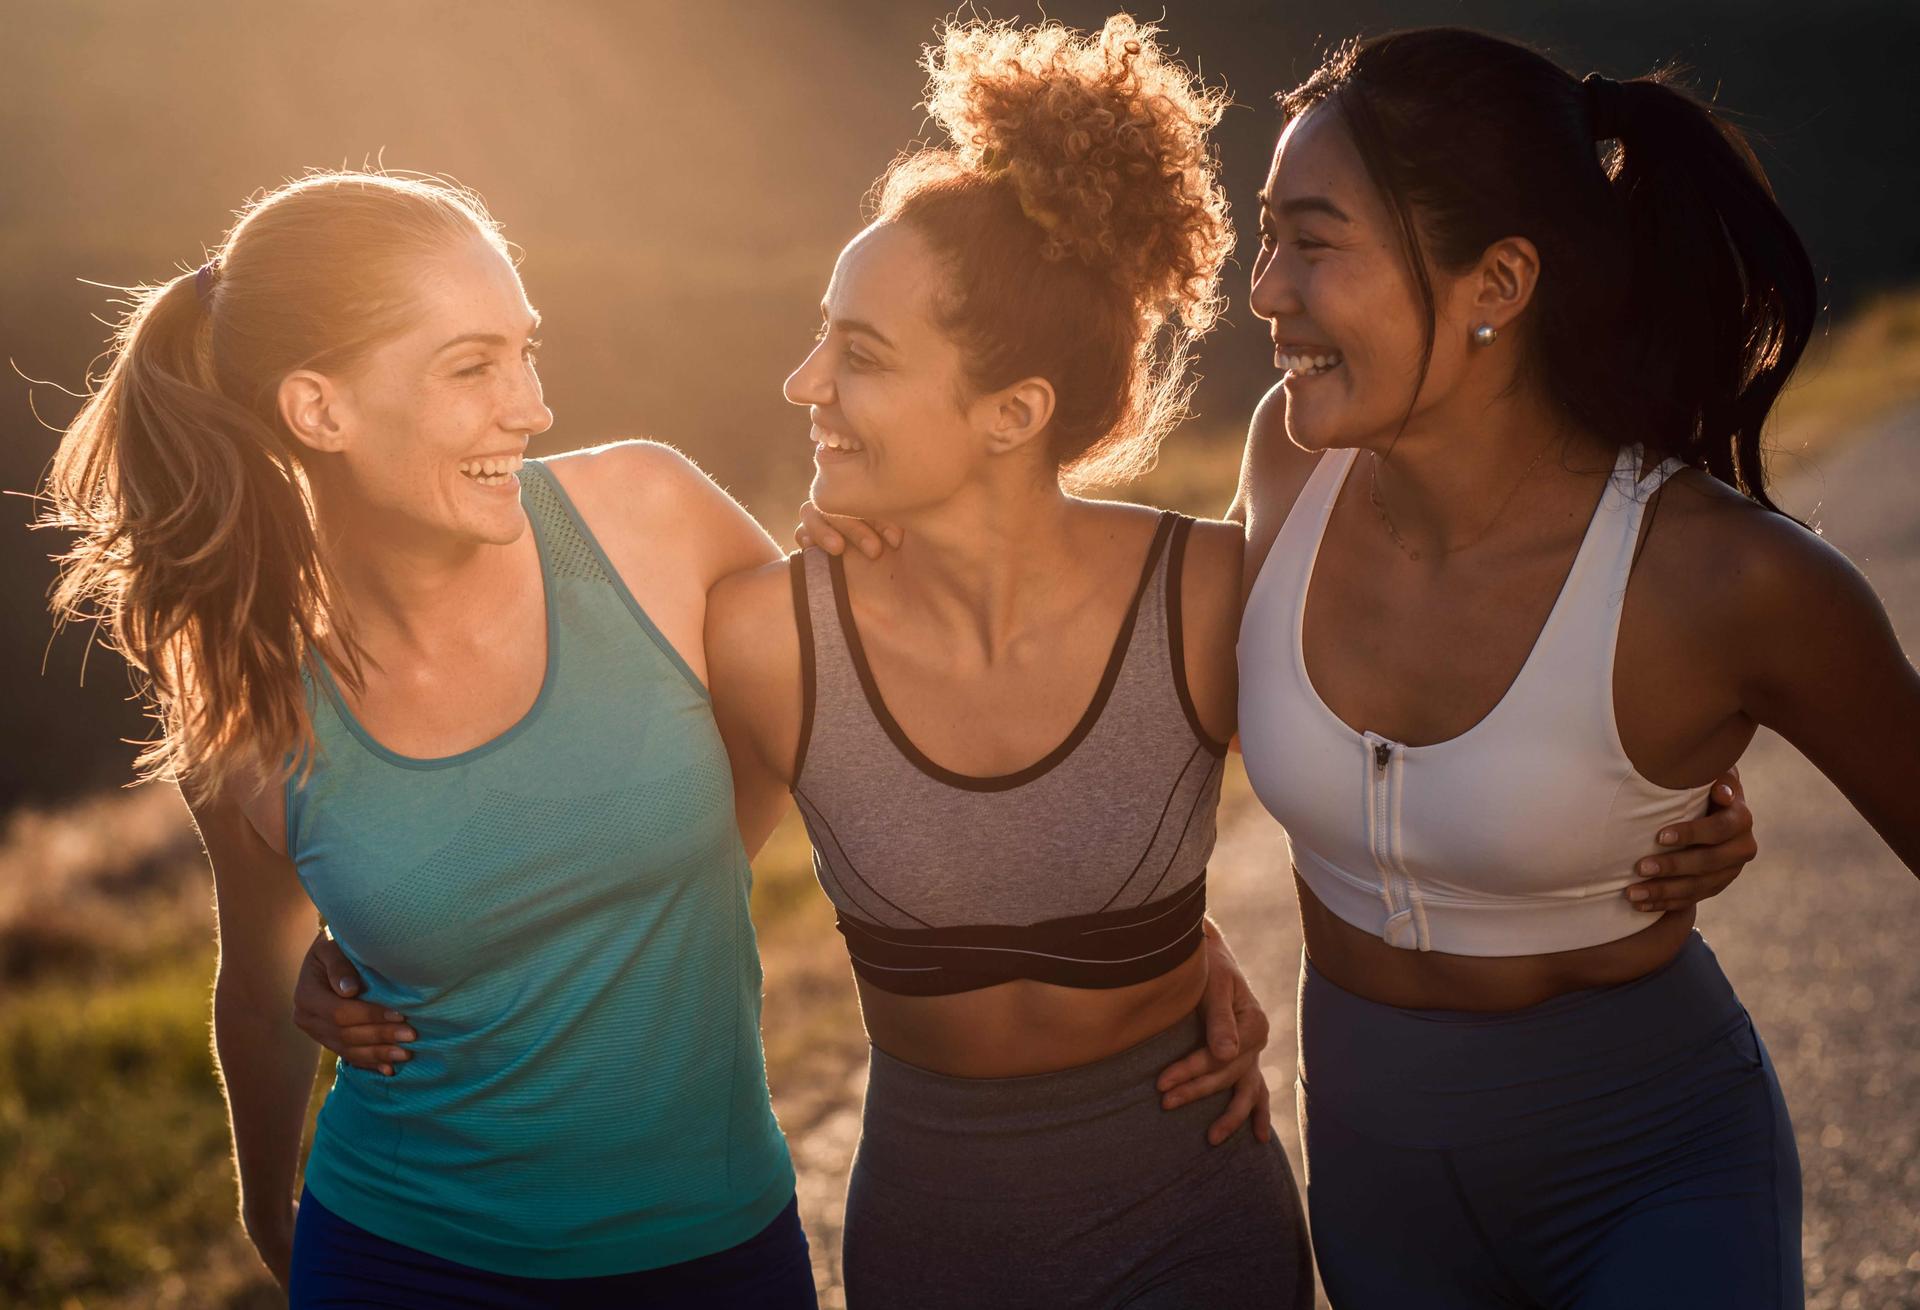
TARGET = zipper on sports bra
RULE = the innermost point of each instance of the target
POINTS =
(1396, 890)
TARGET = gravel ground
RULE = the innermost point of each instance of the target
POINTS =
(1819, 937)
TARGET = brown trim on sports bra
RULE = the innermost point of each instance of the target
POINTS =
(1176, 637)
(803, 616)
(1052, 759)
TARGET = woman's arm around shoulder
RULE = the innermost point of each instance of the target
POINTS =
(1812, 654)
(754, 654)
(265, 922)
(669, 530)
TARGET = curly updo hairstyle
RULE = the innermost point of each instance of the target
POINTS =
(1079, 215)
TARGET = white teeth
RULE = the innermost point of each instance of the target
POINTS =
(493, 470)
(834, 440)
(1308, 364)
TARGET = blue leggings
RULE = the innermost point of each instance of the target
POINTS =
(1623, 1147)
(337, 1264)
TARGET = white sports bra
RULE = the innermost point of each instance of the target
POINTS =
(1516, 837)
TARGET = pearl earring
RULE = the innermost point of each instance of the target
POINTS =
(1485, 335)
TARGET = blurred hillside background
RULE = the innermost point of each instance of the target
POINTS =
(680, 177)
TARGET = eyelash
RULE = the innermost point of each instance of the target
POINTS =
(529, 352)
(854, 358)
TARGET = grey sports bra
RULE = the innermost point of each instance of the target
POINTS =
(1086, 868)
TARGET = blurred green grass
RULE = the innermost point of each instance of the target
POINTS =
(116, 1187)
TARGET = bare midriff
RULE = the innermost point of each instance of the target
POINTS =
(1359, 962)
(1018, 1028)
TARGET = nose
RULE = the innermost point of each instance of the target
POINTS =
(527, 407)
(1275, 293)
(812, 382)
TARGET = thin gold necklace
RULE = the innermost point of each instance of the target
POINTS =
(1380, 506)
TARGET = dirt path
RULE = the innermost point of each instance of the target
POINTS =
(1821, 937)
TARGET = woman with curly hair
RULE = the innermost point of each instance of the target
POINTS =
(1006, 738)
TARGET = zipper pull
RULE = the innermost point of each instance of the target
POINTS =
(1382, 752)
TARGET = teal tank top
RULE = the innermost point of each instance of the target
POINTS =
(561, 913)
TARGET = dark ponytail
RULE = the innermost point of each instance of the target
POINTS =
(197, 554)
(1722, 296)
(1674, 298)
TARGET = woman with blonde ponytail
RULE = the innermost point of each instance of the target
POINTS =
(454, 699)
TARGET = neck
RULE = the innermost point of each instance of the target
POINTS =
(409, 590)
(976, 562)
(1456, 473)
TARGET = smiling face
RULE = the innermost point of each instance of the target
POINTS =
(429, 430)
(895, 426)
(1333, 283)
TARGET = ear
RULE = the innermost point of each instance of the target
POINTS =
(1014, 416)
(310, 405)
(1504, 282)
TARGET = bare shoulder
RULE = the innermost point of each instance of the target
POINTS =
(630, 482)
(1721, 554)
(646, 501)
(1273, 470)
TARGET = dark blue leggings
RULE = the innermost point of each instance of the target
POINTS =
(1625, 1147)
(336, 1264)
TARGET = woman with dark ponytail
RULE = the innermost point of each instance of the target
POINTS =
(487, 759)
(1514, 574)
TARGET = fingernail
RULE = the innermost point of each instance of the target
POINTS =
(399, 1056)
(394, 1016)
(1726, 792)
(1668, 837)
(893, 536)
(1637, 894)
(387, 1069)
(406, 1034)
(1169, 1102)
(1649, 867)
(345, 987)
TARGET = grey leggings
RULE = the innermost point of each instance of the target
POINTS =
(1066, 1190)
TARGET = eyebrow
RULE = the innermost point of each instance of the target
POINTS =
(1306, 205)
(484, 338)
(859, 325)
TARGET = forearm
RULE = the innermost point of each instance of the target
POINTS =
(266, 1070)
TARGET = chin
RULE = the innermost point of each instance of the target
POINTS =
(500, 529)
(830, 495)
(1303, 432)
